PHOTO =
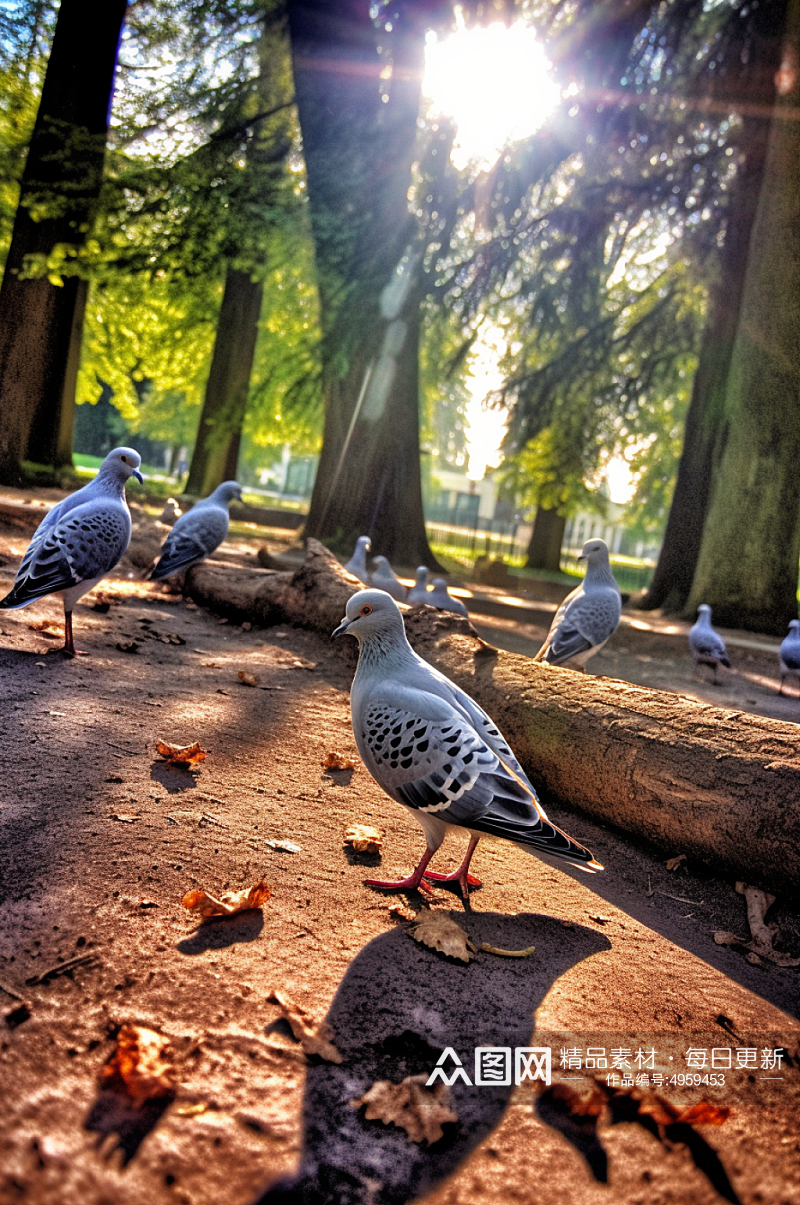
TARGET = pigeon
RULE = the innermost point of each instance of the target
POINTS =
(357, 565)
(708, 647)
(385, 578)
(198, 533)
(79, 541)
(419, 594)
(436, 752)
(790, 654)
(442, 600)
(588, 616)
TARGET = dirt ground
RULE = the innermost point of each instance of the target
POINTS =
(100, 840)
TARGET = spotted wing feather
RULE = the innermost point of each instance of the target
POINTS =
(85, 544)
(444, 767)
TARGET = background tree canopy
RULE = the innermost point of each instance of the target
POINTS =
(270, 243)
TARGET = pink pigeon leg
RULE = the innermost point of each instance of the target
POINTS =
(460, 876)
(413, 881)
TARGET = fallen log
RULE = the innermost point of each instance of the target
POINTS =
(722, 786)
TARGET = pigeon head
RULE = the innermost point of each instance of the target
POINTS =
(382, 564)
(370, 613)
(704, 611)
(439, 583)
(228, 491)
(422, 575)
(364, 542)
(121, 464)
(595, 552)
(794, 626)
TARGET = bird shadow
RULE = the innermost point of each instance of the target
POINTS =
(115, 1114)
(220, 932)
(174, 778)
(398, 1008)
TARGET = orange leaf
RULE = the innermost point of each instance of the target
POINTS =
(337, 761)
(228, 903)
(181, 755)
(141, 1065)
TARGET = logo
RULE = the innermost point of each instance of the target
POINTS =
(493, 1066)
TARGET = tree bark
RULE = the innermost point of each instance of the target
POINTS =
(216, 449)
(547, 537)
(752, 91)
(59, 193)
(358, 152)
(747, 566)
(715, 784)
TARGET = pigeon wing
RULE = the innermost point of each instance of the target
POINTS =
(429, 759)
(585, 624)
(83, 545)
(195, 536)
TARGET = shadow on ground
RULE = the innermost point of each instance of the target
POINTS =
(398, 1007)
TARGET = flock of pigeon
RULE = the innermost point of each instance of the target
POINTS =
(434, 591)
(82, 538)
(426, 742)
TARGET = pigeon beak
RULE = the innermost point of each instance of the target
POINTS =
(342, 628)
(138, 476)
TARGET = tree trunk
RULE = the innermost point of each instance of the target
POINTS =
(753, 92)
(50, 443)
(58, 196)
(219, 434)
(544, 549)
(358, 152)
(748, 562)
(715, 784)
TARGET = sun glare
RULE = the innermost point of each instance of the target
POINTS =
(485, 428)
(493, 82)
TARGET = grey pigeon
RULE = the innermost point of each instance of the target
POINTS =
(357, 565)
(385, 578)
(418, 594)
(198, 533)
(708, 647)
(79, 541)
(790, 654)
(440, 598)
(588, 616)
(435, 751)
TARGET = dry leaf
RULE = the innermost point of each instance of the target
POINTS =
(403, 910)
(124, 817)
(171, 638)
(440, 932)
(364, 838)
(419, 1110)
(314, 1038)
(140, 1065)
(193, 1110)
(288, 847)
(181, 755)
(127, 646)
(674, 863)
(47, 628)
(248, 679)
(337, 761)
(507, 953)
(228, 903)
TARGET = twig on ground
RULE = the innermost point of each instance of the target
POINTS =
(61, 967)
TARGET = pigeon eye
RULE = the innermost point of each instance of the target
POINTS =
(124, 459)
(366, 610)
